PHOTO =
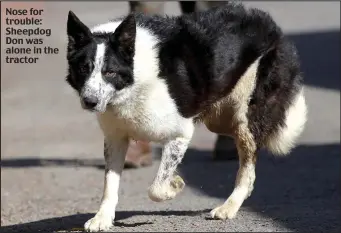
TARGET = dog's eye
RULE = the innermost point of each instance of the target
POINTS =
(109, 73)
(84, 68)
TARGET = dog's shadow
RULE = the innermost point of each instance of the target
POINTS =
(76, 222)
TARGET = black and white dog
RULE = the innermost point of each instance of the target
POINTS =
(153, 78)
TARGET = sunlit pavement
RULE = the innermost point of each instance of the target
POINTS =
(51, 150)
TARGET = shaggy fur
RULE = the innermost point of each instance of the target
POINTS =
(152, 78)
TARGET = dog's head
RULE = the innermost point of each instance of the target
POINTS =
(100, 65)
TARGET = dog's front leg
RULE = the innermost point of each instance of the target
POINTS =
(165, 185)
(114, 154)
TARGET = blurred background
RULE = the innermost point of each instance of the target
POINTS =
(51, 150)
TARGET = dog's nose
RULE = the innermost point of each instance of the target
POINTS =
(90, 102)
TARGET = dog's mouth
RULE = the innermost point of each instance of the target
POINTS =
(90, 109)
(100, 107)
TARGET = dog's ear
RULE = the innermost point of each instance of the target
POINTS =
(124, 37)
(78, 34)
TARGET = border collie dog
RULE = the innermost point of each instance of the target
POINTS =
(153, 78)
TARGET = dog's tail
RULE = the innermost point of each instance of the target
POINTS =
(283, 140)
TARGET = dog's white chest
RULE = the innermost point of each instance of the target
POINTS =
(152, 117)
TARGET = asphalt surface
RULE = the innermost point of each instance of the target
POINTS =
(51, 150)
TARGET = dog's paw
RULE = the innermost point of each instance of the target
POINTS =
(226, 211)
(98, 223)
(159, 193)
(166, 191)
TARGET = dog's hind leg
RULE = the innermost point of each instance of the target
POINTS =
(166, 185)
(246, 145)
(245, 177)
(114, 153)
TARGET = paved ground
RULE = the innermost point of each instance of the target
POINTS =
(51, 160)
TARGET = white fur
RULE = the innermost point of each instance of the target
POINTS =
(106, 27)
(296, 116)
